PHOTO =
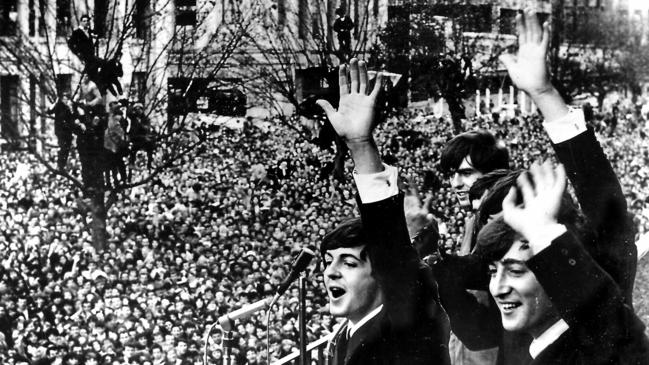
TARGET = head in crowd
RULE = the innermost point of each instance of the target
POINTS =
(470, 155)
(524, 305)
(65, 98)
(84, 21)
(352, 288)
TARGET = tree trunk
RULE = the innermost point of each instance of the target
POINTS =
(456, 107)
(98, 224)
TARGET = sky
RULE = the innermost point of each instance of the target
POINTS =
(639, 4)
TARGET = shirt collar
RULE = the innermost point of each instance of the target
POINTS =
(548, 337)
(354, 327)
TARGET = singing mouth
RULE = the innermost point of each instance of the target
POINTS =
(336, 292)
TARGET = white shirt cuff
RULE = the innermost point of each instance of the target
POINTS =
(566, 127)
(550, 233)
(379, 186)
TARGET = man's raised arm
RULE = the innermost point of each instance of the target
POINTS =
(596, 186)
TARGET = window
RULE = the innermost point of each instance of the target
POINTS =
(32, 18)
(101, 14)
(63, 17)
(476, 18)
(508, 21)
(281, 12)
(185, 13)
(33, 86)
(303, 18)
(42, 16)
(9, 107)
(141, 16)
(9, 14)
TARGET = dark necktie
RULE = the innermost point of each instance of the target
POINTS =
(341, 345)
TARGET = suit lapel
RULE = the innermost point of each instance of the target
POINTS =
(366, 334)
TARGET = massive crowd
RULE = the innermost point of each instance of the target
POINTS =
(214, 233)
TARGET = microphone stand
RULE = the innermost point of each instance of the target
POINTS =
(302, 319)
(227, 348)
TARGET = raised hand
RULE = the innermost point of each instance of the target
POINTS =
(527, 68)
(541, 201)
(354, 119)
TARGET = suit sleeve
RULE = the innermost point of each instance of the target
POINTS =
(601, 199)
(474, 319)
(586, 296)
(394, 260)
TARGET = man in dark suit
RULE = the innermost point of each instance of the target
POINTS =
(546, 284)
(64, 125)
(81, 43)
(373, 275)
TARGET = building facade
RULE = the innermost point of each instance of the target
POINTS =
(171, 50)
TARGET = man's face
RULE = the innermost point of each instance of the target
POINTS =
(462, 180)
(85, 22)
(181, 348)
(524, 305)
(156, 353)
(353, 291)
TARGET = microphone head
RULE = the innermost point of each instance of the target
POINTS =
(298, 265)
(302, 260)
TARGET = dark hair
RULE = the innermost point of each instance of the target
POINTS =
(85, 16)
(486, 152)
(490, 180)
(497, 237)
(497, 184)
(349, 233)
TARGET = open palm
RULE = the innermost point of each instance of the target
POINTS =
(527, 68)
(354, 119)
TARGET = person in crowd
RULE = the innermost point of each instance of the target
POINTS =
(141, 134)
(64, 125)
(343, 26)
(90, 99)
(115, 144)
(372, 273)
(81, 41)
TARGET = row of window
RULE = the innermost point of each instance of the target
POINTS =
(65, 11)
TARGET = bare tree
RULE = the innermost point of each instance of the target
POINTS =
(153, 48)
(597, 51)
(441, 48)
(297, 41)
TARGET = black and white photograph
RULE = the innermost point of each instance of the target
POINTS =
(324, 182)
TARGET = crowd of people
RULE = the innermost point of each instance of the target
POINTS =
(217, 232)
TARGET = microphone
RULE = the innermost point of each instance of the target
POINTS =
(299, 265)
(226, 321)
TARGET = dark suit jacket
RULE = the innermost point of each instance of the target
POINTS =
(599, 193)
(81, 45)
(603, 329)
(410, 329)
(63, 119)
